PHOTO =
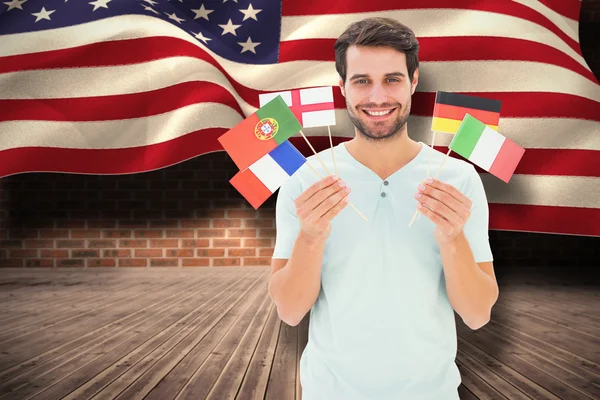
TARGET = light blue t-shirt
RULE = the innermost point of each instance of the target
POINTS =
(382, 327)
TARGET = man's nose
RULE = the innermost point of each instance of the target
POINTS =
(378, 95)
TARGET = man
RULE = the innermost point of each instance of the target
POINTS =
(381, 294)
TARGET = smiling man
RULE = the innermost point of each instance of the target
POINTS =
(381, 294)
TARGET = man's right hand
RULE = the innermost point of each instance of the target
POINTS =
(319, 204)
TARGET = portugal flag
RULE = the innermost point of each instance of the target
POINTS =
(259, 133)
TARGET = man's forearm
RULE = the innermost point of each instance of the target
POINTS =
(295, 288)
(471, 292)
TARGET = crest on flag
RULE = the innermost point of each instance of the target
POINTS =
(266, 128)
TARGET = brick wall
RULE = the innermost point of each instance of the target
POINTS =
(188, 215)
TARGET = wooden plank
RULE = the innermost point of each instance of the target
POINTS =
(526, 377)
(25, 347)
(212, 356)
(282, 381)
(53, 369)
(551, 333)
(465, 394)
(480, 388)
(230, 380)
(119, 360)
(143, 376)
(565, 371)
(254, 384)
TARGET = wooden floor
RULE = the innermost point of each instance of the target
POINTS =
(214, 333)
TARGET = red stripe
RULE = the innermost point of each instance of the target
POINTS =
(297, 8)
(132, 51)
(567, 8)
(506, 161)
(110, 161)
(545, 219)
(296, 106)
(450, 49)
(133, 105)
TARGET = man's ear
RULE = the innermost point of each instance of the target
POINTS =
(415, 81)
(341, 83)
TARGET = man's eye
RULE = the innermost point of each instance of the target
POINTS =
(361, 81)
(394, 80)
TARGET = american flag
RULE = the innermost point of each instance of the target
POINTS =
(126, 86)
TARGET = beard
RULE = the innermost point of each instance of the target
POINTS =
(379, 130)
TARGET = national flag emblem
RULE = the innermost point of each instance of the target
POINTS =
(450, 109)
(261, 132)
(258, 182)
(486, 148)
(312, 107)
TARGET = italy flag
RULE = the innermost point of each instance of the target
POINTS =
(486, 148)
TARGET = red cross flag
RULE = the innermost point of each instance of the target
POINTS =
(313, 107)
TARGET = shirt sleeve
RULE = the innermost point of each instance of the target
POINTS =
(287, 225)
(477, 227)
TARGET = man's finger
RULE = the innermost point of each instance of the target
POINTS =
(314, 188)
(451, 190)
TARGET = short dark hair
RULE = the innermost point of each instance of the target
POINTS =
(378, 32)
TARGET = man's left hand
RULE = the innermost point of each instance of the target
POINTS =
(445, 206)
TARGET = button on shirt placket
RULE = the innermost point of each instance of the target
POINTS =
(383, 191)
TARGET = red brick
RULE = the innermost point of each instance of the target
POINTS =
(257, 243)
(179, 233)
(132, 204)
(241, 214)
(257, 261)
(227, 223)
(180, 194)
(210, 252)
(221, 262)
(242, 252)
(116, 253)
(85, 234)
(54, 253)
(211, 233)
(133, 224)
(70, 263)
(265, 252)
(195, 243)
(54, 234)
(133, 262)
(230, 204)
(204, 211)
(85, 253)
(149, 195)
(267, 233)
(164, 262)
(3, 253)
(156, 233)
(101, 262)
(147, 214)
(118, 234)
(165, 223)
(148, 252)
(11, 263)
(195, 262)
(179, 253)
(39, 263)
(70, 224)
(195, 223)
(69, 243)
(259, 223)
(19, 253)
(164, 243)
(178, 175)
(23, 234)
(37, 244)
(116, 195)
(102, 224)
(241, 233)
(133, 243)
(98, 244)
(227, 242)
(3, 233)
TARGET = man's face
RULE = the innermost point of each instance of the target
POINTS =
(377, 91)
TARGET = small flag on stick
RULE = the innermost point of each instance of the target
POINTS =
(260, 133)
(258, 182)
(486, 148)
(313, 106)
(450, 109)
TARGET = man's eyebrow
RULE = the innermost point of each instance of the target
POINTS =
(397, 73)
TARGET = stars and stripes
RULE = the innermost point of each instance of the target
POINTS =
(112, 87)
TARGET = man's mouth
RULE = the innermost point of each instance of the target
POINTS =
(379, 113)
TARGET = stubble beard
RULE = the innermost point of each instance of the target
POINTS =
(396, 128)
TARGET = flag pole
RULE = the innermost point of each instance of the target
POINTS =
(329, 173)
(331, 146)
(435, 177)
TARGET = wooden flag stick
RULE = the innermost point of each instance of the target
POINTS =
(329, 173)
(331, 145)
(435, 177)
